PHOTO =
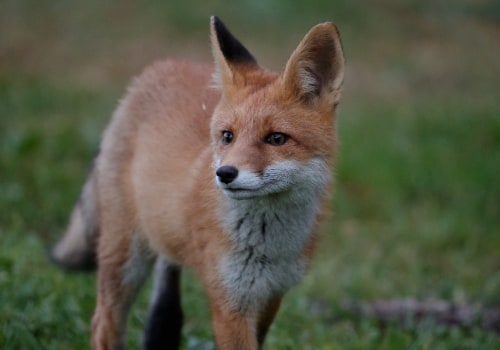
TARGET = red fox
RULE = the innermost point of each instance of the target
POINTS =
(224, 170)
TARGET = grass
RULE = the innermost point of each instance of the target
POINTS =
(417, 205)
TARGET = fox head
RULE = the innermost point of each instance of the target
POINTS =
(272, 132)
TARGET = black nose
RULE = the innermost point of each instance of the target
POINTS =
(227, 173)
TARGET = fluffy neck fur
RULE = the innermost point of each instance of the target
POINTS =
(269, 235)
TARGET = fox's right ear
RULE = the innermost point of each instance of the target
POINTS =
(232, 59)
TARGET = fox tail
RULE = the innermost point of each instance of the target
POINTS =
(76, 250)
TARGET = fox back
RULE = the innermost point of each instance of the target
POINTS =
(225, 170)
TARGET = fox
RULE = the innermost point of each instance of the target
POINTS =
(223, 169)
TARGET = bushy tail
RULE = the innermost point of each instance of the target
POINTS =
(77, 248)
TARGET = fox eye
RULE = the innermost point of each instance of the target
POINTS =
(227, 137)
(276, 138)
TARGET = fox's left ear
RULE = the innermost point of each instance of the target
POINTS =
(315, 70)
(232, 59)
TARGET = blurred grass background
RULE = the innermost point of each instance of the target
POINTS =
(417, 205)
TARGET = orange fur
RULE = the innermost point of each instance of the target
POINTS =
(157, 194)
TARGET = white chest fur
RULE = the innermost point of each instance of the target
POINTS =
(269, 236)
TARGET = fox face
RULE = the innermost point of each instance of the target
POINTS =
(272, 132)
(264, 148)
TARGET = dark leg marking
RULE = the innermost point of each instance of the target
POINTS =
(164, 325)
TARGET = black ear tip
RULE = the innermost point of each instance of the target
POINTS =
(231, 48)
(214, 20)
(219, 27)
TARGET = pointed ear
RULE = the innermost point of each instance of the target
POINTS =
(315, 70)
(231, 57)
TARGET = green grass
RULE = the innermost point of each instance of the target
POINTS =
(417, 204)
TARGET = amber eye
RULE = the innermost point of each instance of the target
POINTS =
(227, 137)
(276, 138)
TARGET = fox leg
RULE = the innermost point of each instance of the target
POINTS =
(266, 318)
(234, 330)
(124, 264)
(163, 329)
(243, 330)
